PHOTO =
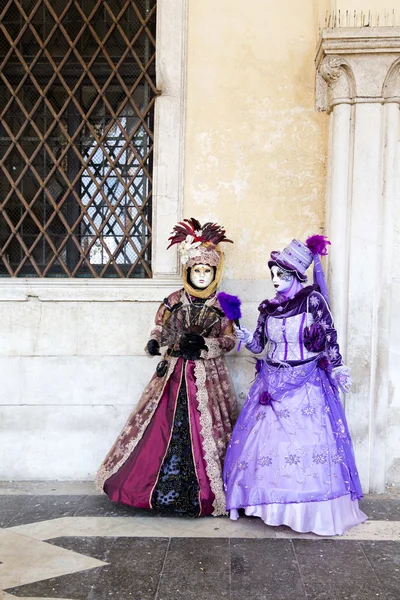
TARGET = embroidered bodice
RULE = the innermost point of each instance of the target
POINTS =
(285, 337)
(281, 328)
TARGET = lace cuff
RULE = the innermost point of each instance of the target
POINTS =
(342, 378)
(218, 346)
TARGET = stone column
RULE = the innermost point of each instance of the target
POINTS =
(337, 210)
(358, 84)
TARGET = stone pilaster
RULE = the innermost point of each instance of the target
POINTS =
(358, 83)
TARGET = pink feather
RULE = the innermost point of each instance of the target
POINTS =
(318, 244)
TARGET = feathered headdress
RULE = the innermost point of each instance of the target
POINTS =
(318, 244)
(297, 257)
(195, 240)
(209, 232)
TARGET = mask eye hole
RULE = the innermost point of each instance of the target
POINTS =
(276, 273)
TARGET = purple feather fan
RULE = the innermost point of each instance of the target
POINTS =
(318, 244)
(231, 306)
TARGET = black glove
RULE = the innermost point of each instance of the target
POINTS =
(191, 344)
(153, 348)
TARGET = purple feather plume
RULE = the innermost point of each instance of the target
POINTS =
(318, 244)
(231, 306)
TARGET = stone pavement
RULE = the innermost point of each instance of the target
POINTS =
(65, 541)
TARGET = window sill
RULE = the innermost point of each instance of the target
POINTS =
(87, 290)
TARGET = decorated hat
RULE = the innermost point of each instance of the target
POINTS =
(298, 256)
(199, 244)
(295, 258)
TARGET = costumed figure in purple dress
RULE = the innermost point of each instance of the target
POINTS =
(290, 460)
(170, 453)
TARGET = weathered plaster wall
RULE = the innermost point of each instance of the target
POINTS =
(255, 147)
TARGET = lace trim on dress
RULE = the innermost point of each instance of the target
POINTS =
(213, 465)
(214, 349)
(105, 472)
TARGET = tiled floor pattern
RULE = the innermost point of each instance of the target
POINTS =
(194, 569)
(83, 547)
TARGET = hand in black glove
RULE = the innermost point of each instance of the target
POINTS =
(193, 341)
(153, 348)
(191, 344)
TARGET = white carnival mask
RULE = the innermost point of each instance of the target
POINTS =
(281, 279)
(201, 276)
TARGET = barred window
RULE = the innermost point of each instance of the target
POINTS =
(77, 94)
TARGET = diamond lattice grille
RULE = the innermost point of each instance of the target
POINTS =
(77, 93)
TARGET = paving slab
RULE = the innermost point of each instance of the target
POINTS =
(81, 546)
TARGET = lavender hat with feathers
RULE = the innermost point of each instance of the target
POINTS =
(297, 257)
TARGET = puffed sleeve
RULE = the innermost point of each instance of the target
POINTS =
(319, 309)
(164, 310)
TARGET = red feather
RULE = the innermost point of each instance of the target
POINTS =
(210, 232)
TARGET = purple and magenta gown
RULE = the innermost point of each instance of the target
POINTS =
(290, 460)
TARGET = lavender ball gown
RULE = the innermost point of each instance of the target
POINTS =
(290, 460)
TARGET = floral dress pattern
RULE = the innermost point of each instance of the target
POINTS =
(290, 460)
(170, 453)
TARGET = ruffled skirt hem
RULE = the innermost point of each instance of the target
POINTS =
(328, 517)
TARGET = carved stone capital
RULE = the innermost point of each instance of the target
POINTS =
(334, 82)
(358, 65)
(331, 68)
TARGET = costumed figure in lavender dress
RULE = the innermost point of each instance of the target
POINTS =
(290, 460)
(170, 453)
